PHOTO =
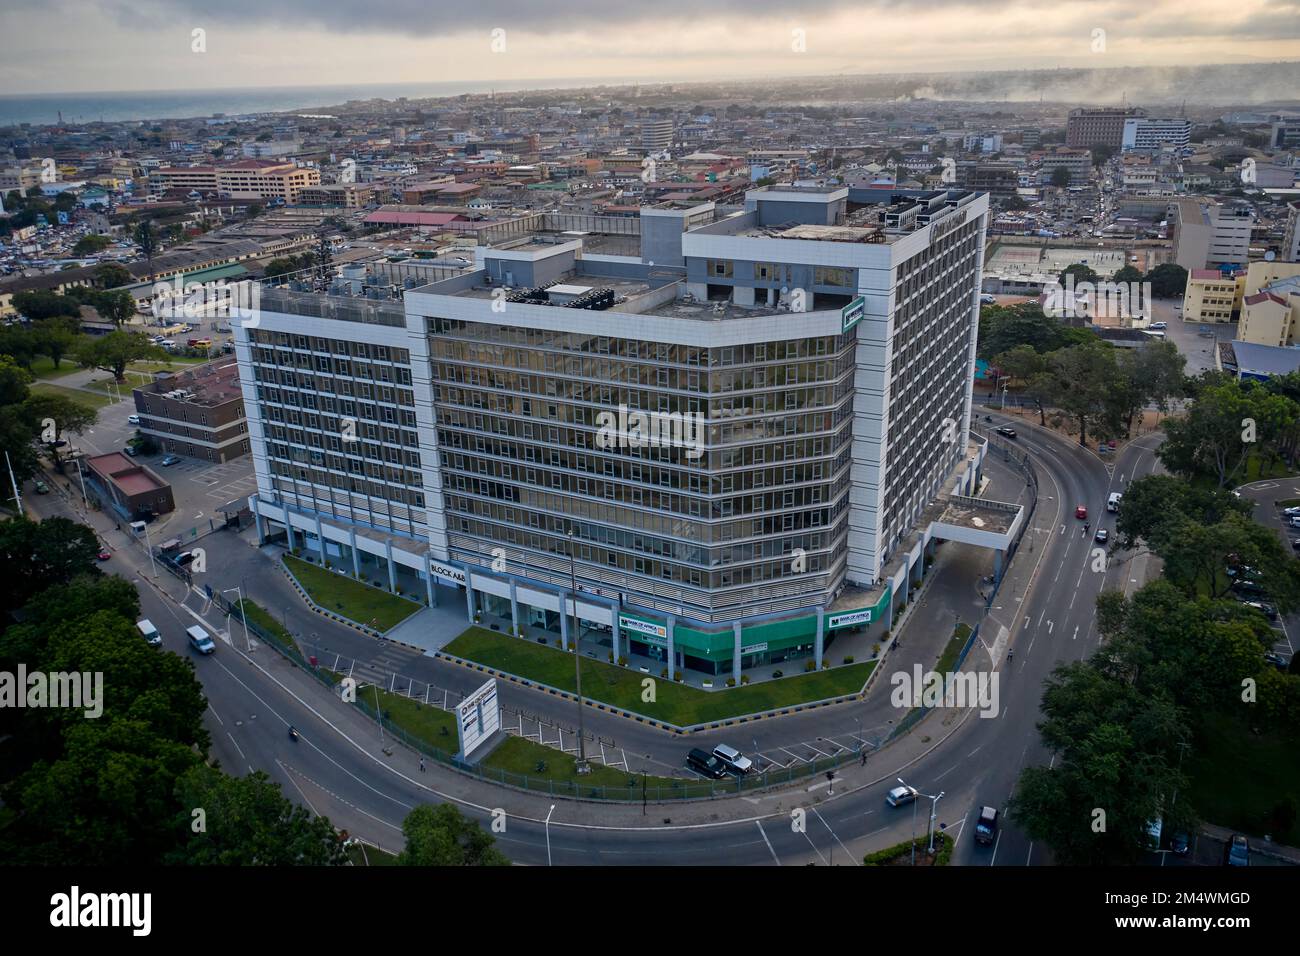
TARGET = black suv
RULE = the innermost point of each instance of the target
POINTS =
(1006, 431)
(703, 762)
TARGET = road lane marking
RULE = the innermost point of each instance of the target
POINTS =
(759, 824)
(852, 857)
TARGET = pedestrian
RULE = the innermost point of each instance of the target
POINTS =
(421, 765)
(864, 758)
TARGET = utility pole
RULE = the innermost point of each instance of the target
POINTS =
(14, 481)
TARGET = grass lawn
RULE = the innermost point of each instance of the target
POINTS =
(42, 367)
(362, 855)
(519, 756)
(949, 656)
(433, 725)
(260, 617)
(362, 603)
(1239, 778)
(96, 401)
(621, 686)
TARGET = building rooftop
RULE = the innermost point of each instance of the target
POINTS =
(213, 383)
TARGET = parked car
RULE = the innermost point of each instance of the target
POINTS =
(169, 460)
(133, 419)
(1180, 843)
(1159, 325)
(901, 796)
(1242, 586)
(1112, 502)
(733, 759)
(103, 554)
(703, 762)
(1295, 544)
(1237, 852)
(1081, 512)
(1280, 661)
(1263, 607)
(986, 829)
(1006, 431)
(1291, 511)
(42, 488)
(129, 451)
(199, 639)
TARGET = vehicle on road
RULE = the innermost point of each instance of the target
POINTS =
(149, 632)
(986, 829)
(705, 764)
(733, 759)
(1151, 833)
(1006, 431)
(103, 554)
(1180, 843)
(129, 451)
(901, 796)
(1159, 325)
(1081, 512)
(1101, 536)
(1112, 503)
(1295, 544)
(42, 488)
(169, 460)
(199, 639)
(1237, 851)
(133, 419)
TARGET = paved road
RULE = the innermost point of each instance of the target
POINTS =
(339, 769)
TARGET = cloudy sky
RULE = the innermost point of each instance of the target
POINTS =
(109, 45)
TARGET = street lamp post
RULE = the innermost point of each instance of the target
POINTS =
(904, 783)
(581, 766)
(243, 615)
(149, 547)
(934, 809)
(85, 503)
(548, 834)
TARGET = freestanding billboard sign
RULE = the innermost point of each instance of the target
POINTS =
(478, 717)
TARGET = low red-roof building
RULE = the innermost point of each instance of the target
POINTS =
(131, 490)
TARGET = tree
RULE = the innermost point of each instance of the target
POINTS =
(248, 822)
(89, 245)
(1146, 376)
(1060, 177)
(37, 555)
(1167, 280)
(148, 243)
(56, 336)
(1128, 274)
(65, 415)
(115, 351)
(1078, 383)
(279, 267)
(109, 275)
(1227, 422)
(1101, 154)
(442, 836)
(1081, 272)
(116, 305)
(43, 305)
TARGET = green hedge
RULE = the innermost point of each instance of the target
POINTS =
(894, 855)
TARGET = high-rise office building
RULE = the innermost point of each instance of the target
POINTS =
(736, 443)
(1086, 128)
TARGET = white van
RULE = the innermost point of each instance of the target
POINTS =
(199, 640)
(1112, 503)
(149, 632)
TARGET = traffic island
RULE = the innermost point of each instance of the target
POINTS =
(660, 701)
(903, 853)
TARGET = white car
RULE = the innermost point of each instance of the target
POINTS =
(1291, 511)
(133, 419)
(901, 796)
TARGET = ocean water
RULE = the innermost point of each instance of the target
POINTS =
(44, 108)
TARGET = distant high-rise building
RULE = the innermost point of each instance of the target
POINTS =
(1207, 234)
(656, 135)
(1291, 236)
(1086, 128)
(1150, 133)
